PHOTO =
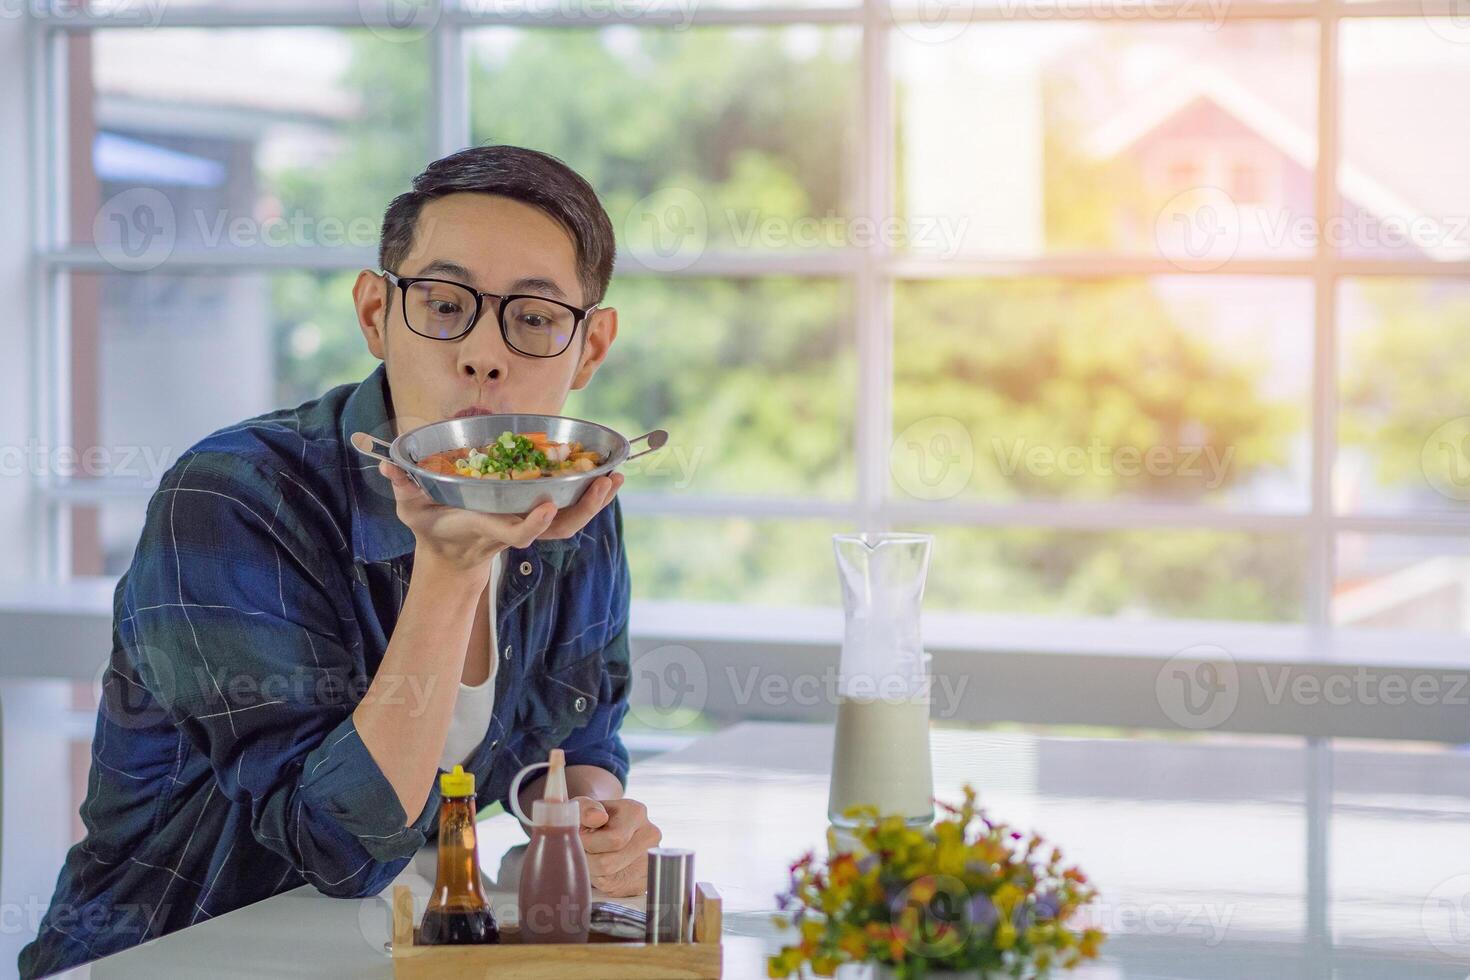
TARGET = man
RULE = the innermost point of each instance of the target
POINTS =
(303, 638)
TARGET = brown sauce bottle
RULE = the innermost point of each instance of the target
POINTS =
(458, 912)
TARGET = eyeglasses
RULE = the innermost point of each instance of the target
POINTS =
(442, 309)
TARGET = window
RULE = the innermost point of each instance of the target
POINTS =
(1109, 304)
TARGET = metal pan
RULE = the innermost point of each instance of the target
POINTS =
(504, 496)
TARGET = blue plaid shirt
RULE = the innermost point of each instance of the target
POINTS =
(260, 600)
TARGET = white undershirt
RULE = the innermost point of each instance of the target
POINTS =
(474, 705)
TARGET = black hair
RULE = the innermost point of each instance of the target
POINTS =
(529, 176)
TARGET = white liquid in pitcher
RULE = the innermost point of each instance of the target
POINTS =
(881, 758)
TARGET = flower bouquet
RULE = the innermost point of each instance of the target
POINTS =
(964, 897)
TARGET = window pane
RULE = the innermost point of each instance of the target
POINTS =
(1165, 574)
(160, 361)
(702, 138)
(103, 536)
(181, 145)
(1401, 582)
(1187, 390)
(1404, 427)
(735, 560)
(753, 379)
(1158, 139)
(1402, 175)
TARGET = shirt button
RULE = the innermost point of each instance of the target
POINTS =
(525, 568)
(580, 704)
(507, 651)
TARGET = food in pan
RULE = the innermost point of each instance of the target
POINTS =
(514, 456)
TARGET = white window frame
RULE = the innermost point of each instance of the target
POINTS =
(870, 274)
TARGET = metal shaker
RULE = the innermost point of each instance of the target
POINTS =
(670, 916)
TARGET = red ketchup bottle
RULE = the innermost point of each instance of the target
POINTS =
(555, 890)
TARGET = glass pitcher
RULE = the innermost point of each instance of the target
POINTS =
(881, 753)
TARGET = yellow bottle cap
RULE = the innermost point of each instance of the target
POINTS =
(457, 783)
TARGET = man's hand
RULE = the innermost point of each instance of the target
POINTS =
(616, 834)
(467, 540)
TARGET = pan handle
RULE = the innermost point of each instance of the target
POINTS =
(364, 442)
(656, 440)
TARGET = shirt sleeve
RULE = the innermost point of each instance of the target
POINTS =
(228, 610)
(599, 742)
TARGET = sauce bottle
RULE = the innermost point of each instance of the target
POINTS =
(555, 890)
(458, 912)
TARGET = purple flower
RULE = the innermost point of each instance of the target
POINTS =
(982, 911)
(1043, 908)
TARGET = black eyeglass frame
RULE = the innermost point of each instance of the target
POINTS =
(404, 282)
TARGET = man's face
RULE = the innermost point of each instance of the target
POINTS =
(496, 245)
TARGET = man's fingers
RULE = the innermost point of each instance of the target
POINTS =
(610, 865)
(628, 819)
(605, 840)
(530, 527)
(403, 486)
(593, 813)
(519, 532)
(624, 886)
(598, 495)
(628, 879)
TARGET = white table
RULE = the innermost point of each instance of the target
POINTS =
(1216, 856)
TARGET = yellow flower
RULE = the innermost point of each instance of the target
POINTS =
(784, 963)
(854, 945)
(950, 858)
(1005, 935)
(824, 966)
(835, 898)
(843, 869)
(1006, 896)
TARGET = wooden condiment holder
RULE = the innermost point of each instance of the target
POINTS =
(602, 957)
